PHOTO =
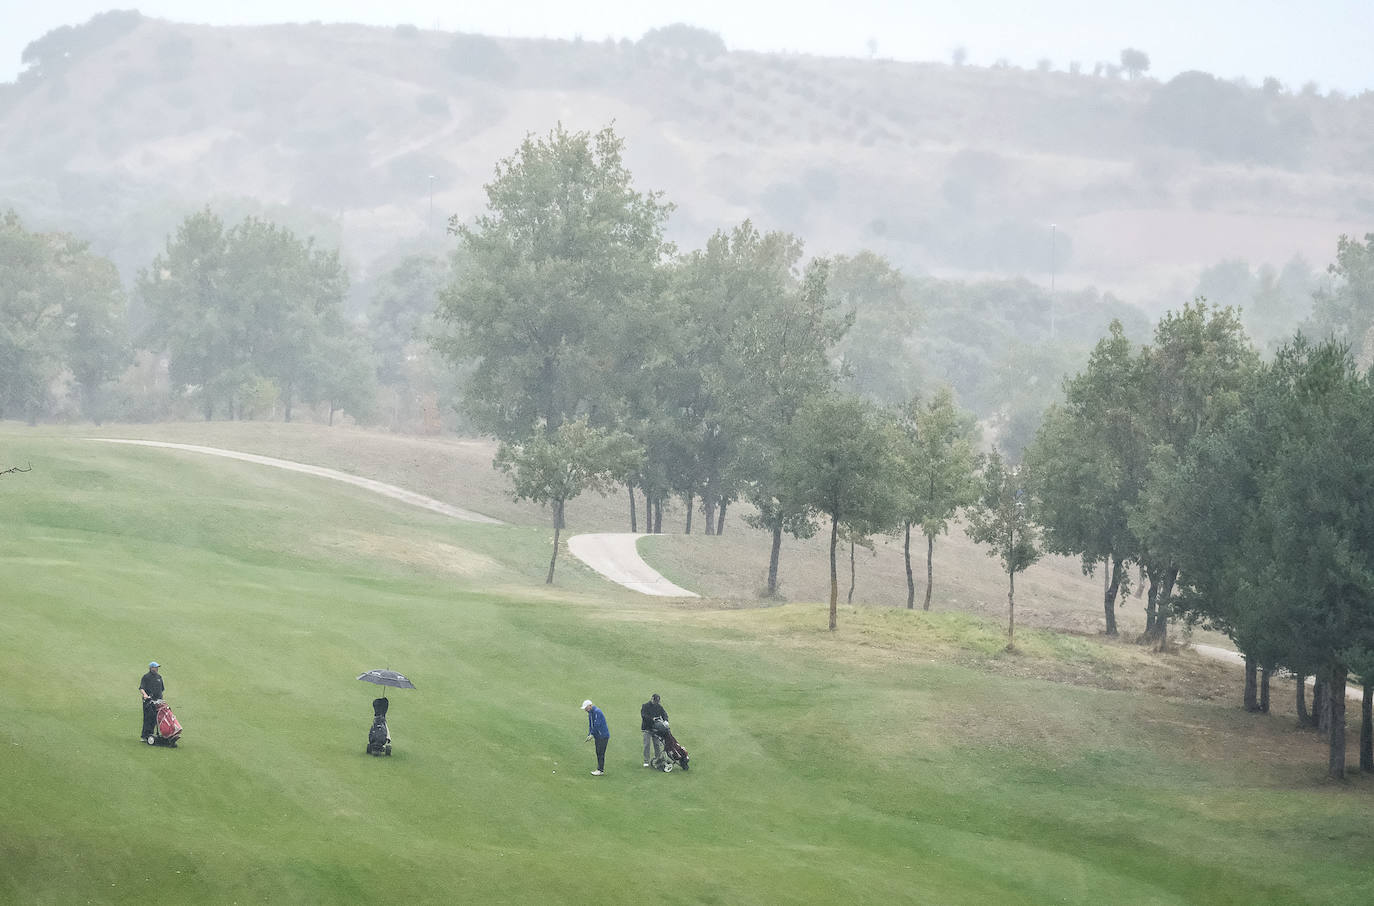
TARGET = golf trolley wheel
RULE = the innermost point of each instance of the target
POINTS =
(151, 740)
(668, 766)
(386, 750)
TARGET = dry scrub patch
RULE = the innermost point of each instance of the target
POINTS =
(882, 638)
(413, 552)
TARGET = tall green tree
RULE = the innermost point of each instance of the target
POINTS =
(1001, 519)
(552, 470)
(252, 302)
(564, 245)
(1344, 309)
(939, 472)
(768, 359)
(1089, 459)
(839, 461)
(1194, 374)
(195, 315)
(876, 354)
(62, 309)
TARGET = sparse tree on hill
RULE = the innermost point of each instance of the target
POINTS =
(839, 462)
(552, 469)
(1135, 62)
(938, 474)
(1001, 520)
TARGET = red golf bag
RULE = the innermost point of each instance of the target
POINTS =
(167, 728)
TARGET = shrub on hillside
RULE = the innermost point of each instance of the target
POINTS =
(408, 31)
(1224, 121)
(686, 39)
(55, 50)
(480, 57)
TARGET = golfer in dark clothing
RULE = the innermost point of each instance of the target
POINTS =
(597, 730)
(150, 687)
(647, 712)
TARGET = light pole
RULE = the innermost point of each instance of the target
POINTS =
(430, 228)
(1054, 235)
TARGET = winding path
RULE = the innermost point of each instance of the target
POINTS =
(613, 555)
(388, 490)
(616, 556)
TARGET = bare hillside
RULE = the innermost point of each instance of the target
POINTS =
(120, 126)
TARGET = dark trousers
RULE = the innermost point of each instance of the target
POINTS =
(601, 752)
(149, 718)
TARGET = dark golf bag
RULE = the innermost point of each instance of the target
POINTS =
(379, 736)
(673, 752)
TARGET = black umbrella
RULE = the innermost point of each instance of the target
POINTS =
(387, 678)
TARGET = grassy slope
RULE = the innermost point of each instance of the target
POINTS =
(880, 763)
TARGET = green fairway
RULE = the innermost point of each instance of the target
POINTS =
(818, 775)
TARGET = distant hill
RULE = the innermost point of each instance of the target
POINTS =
(119, 127)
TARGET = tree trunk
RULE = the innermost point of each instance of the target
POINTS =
(286, 405)
(852, 579)
(1109, 596)
(910, 582)
(558, 521)
(930, 568)
(332, 410)
(658, 516)
(773, 555)
(648, 513)
(554, 558)
(691, 498)
(1319, 703)
(1264, 691)
(708, 512)
(634, 527)
(1011, 610)
(1251, 686)
(1150, 613)
(1162, 608)
(1335, 704)
(1367, 729)
(834, 578)
(720, 519)
(1304, 719)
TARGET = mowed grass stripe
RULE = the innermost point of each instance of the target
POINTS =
(816, 778)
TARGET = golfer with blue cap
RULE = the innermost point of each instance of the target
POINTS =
(150, 687)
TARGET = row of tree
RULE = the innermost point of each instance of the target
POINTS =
(602, 358)
(1241, 490)
(600, 355)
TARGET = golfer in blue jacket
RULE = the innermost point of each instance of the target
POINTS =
(596, 729)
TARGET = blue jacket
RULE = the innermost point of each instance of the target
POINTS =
(596, 724)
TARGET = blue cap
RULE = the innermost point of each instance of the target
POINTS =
(154, 664)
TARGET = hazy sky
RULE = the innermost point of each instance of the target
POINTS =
(1326, 41)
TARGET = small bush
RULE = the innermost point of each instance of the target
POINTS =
(480, 57)
(687, 39)
(407, 31)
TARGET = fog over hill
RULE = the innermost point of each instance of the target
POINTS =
(119, 127)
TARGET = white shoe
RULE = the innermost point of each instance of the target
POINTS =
(646, 764)
(597, 773)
